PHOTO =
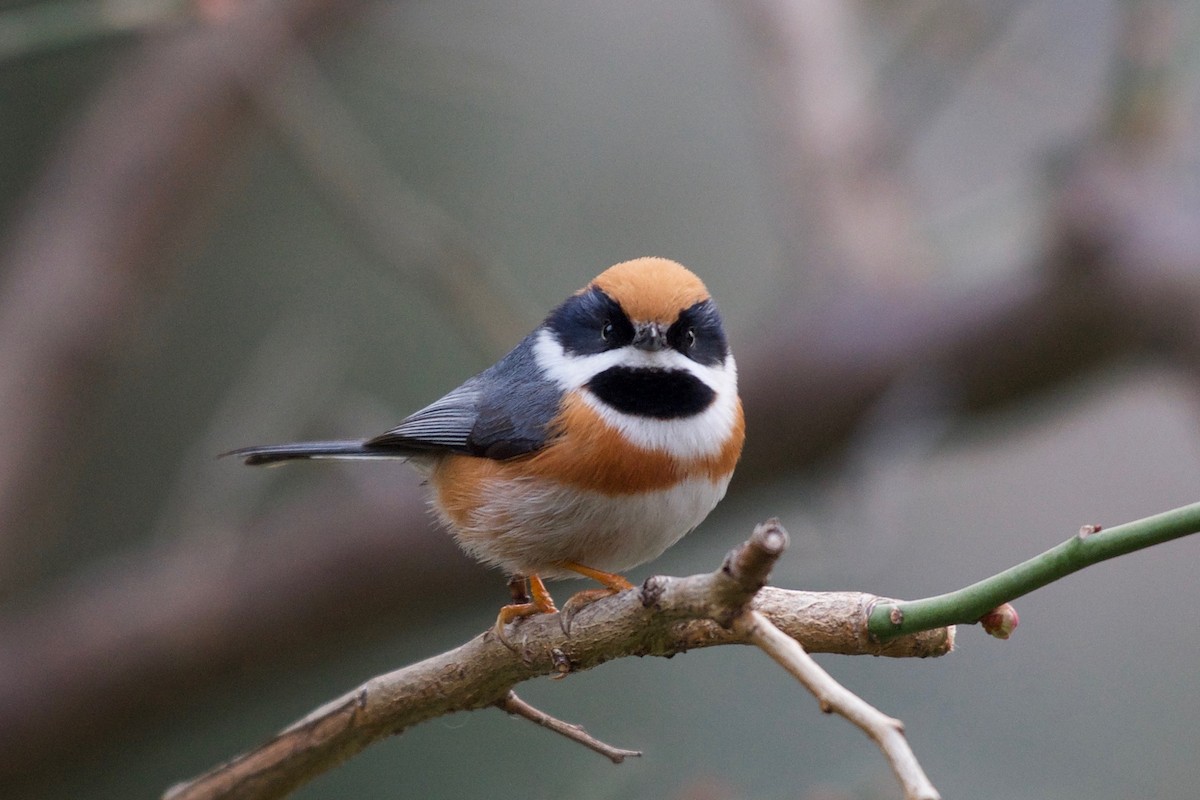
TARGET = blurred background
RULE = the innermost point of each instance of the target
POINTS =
(957, 248)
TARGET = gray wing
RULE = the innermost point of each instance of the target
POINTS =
(500, 413)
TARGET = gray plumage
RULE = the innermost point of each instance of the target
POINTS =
(500, 413)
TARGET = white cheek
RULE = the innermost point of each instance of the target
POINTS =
(701, 435)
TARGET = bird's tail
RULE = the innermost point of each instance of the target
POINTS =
(343, 449)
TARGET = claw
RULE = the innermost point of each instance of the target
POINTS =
(578, 602)
(542, 603)
(539, 601)
(613, 584)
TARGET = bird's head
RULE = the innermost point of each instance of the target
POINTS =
(642, 340)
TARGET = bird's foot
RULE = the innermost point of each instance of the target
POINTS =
(613, 584)
(540, 602)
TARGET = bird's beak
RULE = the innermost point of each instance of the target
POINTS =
(650, 337)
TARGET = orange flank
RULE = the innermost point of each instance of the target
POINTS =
(587, 454)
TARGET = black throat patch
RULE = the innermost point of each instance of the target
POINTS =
(656, 393)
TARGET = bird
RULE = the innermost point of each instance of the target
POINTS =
(600, 440)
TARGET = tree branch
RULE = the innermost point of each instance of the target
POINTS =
(665, 617)
(1090, 546)
(78, 269)
(518, 707)
(887, 732)
(404, 230)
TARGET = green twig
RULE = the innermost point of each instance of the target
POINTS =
(966, 606)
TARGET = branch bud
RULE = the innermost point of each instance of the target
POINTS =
(1000, 621)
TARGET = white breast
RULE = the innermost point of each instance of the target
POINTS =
(526, 529)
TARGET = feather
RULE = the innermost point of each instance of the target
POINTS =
(341, 449)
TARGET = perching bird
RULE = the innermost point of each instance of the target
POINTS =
(605, 436)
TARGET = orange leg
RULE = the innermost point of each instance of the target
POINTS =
(609, 579)
(612, 585)
(540, 603)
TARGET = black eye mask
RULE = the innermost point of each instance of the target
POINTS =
(578, 323)
(709, 346)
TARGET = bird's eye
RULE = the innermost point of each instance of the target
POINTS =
(690, 337)
(606, 330)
